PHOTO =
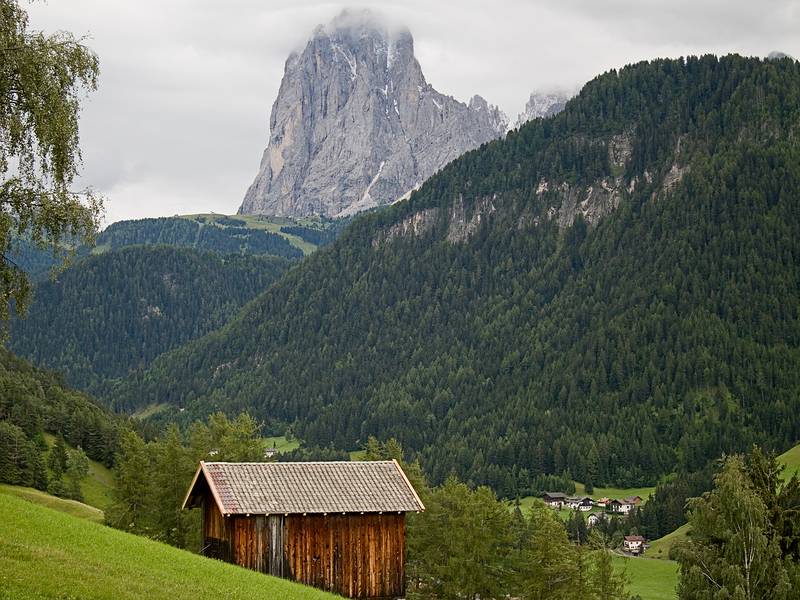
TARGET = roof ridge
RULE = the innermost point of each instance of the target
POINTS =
(301, 462)
(308, 487)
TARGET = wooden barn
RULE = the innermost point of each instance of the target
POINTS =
(339, 526)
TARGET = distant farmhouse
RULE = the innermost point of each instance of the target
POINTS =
(625, 505)
(582, 503)
(339, 526)
(554, 499)
(595, 517)
(633, 544)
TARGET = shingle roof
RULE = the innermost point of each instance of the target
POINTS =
(554, 495)
(310, 487)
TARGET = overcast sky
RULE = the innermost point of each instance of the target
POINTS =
(180, 120)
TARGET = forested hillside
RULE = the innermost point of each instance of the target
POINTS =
(109, 314)
(34, 402)
(611, 292)
(228, 237)
(213, 233)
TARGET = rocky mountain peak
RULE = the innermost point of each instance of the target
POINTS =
(356, 125)
(542, 104)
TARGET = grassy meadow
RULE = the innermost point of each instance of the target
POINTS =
(48, 554)
(650, 578)
(660, 548)
(612, 492)
(97, 487)
(281, 444)
(791, 458)
(271, 224)
(72, 508)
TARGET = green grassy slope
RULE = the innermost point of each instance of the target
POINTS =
(98, 485)
(650, 579)
(791, 458)
(281, 444)
(70, 507)
(47, 554)
(612, 492)
(273, 225)
(660, 548)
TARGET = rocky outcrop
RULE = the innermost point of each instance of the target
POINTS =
(563, 201)
(541, 105)
(461, 226)
(414, 225)
(356, 125)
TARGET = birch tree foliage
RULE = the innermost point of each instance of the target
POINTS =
(733, 552)
(43, 79)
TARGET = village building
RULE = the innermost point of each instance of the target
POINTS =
(633, 544)
(554, 499)
(595, 517)
(338, 526)
(582, 503)
(603, 501)
(620, 506)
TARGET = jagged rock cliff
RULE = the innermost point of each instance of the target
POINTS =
(355, 125)
(542, 105)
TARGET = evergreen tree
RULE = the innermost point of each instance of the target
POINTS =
(546, 567)
(77, 469)
(57, 458)
(132, 508)
(463, 544)
(172, 473)
(604, 581)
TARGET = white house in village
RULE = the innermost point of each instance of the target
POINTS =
(594, 518)
(633, 544)
(582, 503)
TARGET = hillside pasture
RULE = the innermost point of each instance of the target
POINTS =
(72, 508)
(790, 458)
(650, 579)
(48, 554)
(98, 486)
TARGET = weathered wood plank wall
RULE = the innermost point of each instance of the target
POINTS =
(359, 556)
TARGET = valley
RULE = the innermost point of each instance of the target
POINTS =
(594, 340)
(434, 354)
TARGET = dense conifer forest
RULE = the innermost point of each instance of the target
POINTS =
(111, 313)
(232, 238)
(34, 402)
(614, 350)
